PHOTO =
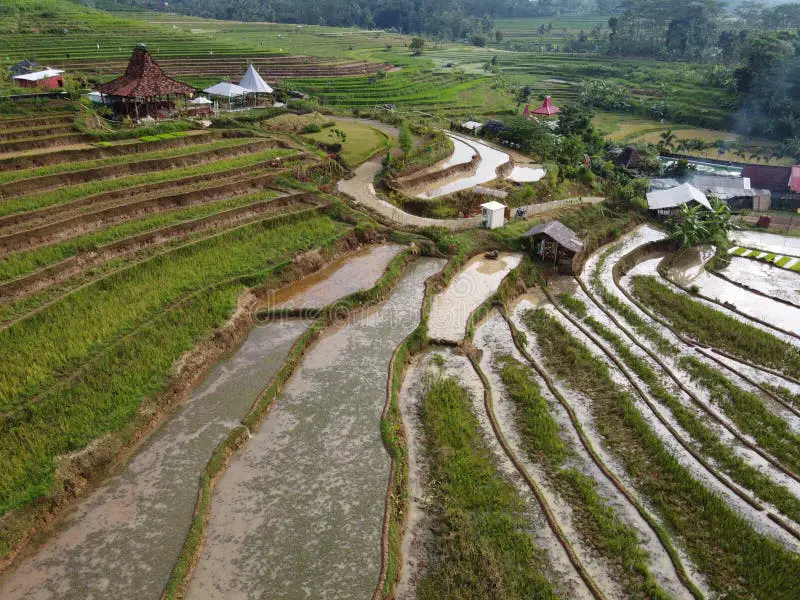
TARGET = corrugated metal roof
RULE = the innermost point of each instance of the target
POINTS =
(675, 197)
(559, 232)
(38, 75)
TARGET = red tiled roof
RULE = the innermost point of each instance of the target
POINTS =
(775, 179)
(144, 79)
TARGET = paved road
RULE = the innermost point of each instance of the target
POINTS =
(361, 189)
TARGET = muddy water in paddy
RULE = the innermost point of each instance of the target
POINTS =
(348, 274)
(768, 242)
(494, 338)
(476, 282)
(764, 277)
(487, 170)
(121, 541)
(692, 272)
(299, 512)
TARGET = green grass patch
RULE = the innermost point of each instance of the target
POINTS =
(709, 326)
(481, 535)
(736, 561)
(362, 140)
(740, 251)
(783, 261)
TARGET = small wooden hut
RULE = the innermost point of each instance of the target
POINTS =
(144, 90)
(555, 244)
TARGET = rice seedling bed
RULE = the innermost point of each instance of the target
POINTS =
(734, 558)
(598, 523)
(709, 326)
(707, 441)
(483, 548)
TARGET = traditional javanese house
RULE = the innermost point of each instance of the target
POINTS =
(144, 90)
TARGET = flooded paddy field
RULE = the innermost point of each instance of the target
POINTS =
(764, 277)
(472, 286)
(768, 242)
(121, 541)
(689, 270)
(491, 159)
(299, 512)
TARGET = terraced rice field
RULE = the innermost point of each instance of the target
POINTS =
(221, 380)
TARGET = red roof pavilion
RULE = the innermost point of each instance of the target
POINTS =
(548, 108)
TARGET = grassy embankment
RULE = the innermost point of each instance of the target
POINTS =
(484, 549)
(709, 326)
(68, 167)
(25, 262)
(705, 439)
(82, 367)
(599, 525)
(734, 558)
(66, 194)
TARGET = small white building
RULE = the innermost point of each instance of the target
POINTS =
(494, 214)
(472, 126)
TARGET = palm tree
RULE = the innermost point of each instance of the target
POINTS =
(667, 140)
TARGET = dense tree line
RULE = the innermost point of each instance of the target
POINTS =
(453, 19)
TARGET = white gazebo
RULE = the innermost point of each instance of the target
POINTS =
(494, 214)
(254, 82)
(228, 90)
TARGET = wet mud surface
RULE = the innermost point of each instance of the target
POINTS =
(122, 540)
(472, 286)
(299, 512)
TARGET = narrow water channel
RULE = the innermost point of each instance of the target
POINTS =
(121, 541)
(299, 512)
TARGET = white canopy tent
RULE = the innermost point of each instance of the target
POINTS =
(226, 89)
(254, 82)
(200, 101)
